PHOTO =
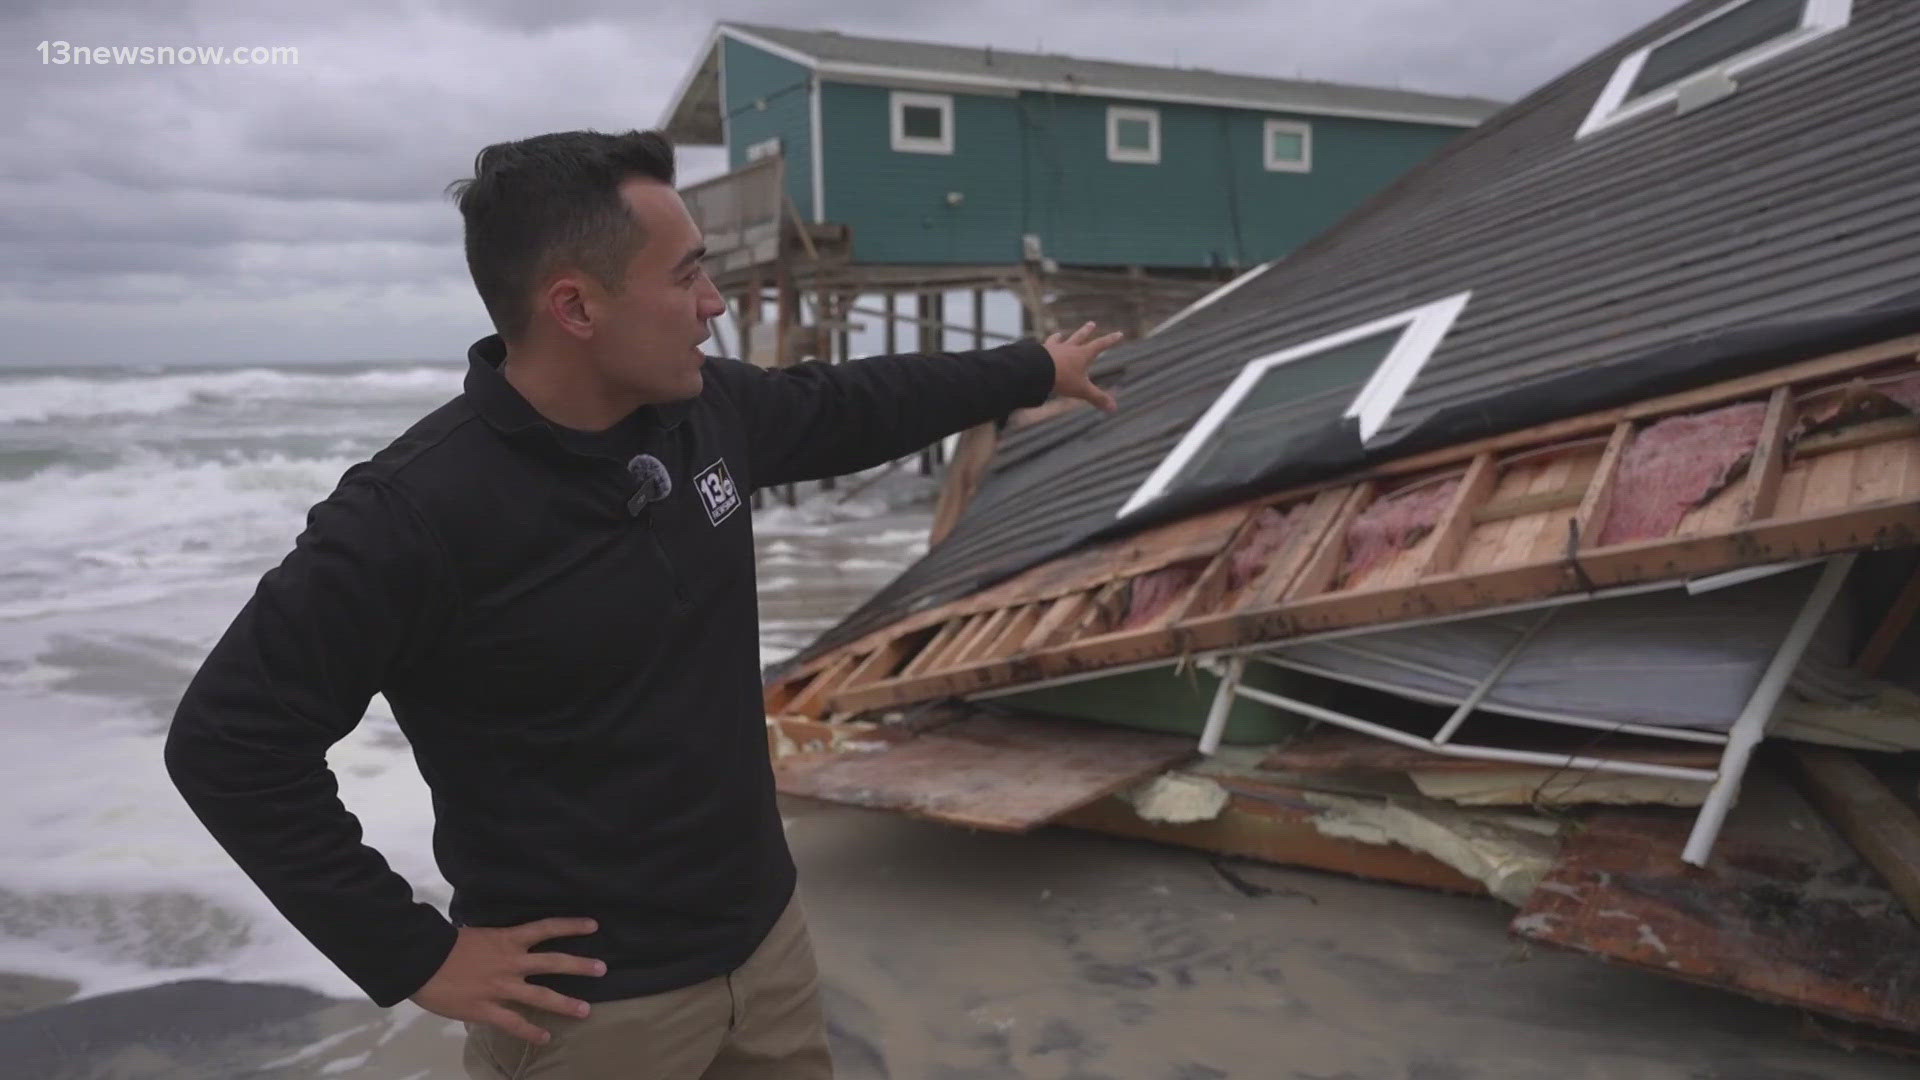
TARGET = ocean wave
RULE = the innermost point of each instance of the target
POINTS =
(47, 398)
(152, 524)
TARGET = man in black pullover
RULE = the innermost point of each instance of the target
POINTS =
(551, 578)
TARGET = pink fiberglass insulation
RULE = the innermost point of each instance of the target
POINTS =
(1674, 466)
(1154, 592)
(1394, 524)
(1270, 532)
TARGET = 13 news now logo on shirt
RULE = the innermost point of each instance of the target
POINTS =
(717, 492)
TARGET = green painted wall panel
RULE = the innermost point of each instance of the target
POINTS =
(1037, 163)
(753, 77)
(897, 202)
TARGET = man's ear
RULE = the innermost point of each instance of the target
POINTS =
(565, 301)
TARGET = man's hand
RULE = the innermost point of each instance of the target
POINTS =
(1071, 358)
(489, 965)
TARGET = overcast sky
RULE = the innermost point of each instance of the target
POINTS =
(234, 214)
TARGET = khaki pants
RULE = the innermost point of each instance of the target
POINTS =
(762, 1020)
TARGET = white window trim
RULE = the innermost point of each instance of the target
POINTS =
(1291, 127)
(767, 147)
(1818, 19)
(1128, 155)
(1181, 316)
(897, 106)
(1425, 327)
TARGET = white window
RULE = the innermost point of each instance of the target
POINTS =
(1368, 368)
(1133, 135)
(1288, 146)
(765, 148)
(923, 123)
(1700, 58)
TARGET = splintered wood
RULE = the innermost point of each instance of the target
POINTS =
(1813, 459)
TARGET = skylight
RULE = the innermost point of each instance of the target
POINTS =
(1367, 369)
(1709, 51)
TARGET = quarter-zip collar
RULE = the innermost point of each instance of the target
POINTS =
(503, 407)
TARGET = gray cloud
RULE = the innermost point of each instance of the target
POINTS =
(217, 205)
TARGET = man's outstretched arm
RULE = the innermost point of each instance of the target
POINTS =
(815, 420)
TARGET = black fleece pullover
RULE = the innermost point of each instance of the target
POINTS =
(578, 676)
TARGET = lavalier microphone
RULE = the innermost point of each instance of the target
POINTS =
(651, 481)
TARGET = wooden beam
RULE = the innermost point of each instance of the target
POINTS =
(1059, 612)
(1456, 524)
(1858, 435)
(1769, 457)
(1875, 820)
(1284, 566)
(809, 700)
(1592, 516)
(962, 482)
(1012, 636)
(1212, 582)
(1102, 609)
(989, 631)
(1665, 559)
(1892, 625)
(1521, 505)
(935, 647)
(979, 334)
(882, 662)
(1834, 364)
(1330, 548)
(961, 641)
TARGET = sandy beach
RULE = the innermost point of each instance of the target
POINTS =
(965, 956)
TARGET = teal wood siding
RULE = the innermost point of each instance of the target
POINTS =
(897, 201)
(753, 75)
(1037, 163)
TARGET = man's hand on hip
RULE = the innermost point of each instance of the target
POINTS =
(1072, 355)
(489, 966)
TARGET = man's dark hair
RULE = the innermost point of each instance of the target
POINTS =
(551, 202)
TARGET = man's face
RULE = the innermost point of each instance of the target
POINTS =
(647, 337)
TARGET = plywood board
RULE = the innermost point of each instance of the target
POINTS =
(1000, 773)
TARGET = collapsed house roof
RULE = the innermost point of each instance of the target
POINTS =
(1546, 440)
(1582, 267)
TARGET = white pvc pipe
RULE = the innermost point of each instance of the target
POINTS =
(1679, 734)
(1696, 586)
(1222, 705)
(1752, 724)
(1485, 753)
(1480, 692)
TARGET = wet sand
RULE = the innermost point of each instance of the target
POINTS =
(955, 956)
